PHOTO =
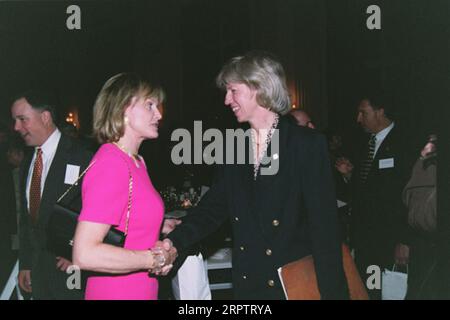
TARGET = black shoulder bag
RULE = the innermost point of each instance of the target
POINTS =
(63, 222)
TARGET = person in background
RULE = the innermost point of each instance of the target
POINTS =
(420, 196)
(302, 118)
(8, 218)
(15, 156)
(118, 193)
(343, 191)
(10, 211)
(378, 216)
(44, 175)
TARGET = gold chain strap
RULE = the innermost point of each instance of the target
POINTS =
(76, 182)
(130, 192)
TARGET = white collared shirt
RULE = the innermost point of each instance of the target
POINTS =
(48, 153)
(380, 136)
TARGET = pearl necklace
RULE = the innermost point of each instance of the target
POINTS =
(257, 156)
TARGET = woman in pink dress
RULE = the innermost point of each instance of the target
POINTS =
(117, 192)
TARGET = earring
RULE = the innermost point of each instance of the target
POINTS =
(125, 120)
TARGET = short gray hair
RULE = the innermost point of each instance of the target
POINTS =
(262, 72)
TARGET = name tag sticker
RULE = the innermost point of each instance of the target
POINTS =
(72, 173)
(386, 163)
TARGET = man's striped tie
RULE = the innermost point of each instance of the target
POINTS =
(367, 163)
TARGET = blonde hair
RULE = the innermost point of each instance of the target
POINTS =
(114, 98)
(262, 72)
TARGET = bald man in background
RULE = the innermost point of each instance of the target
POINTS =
(302, 118)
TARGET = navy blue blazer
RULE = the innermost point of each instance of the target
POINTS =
(275, 219)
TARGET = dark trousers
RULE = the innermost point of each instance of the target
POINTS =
(362, 263)
(423, 281)
(49, 283)
(374, 256)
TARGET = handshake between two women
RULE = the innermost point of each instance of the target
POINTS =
(163, 256)
(164, 253)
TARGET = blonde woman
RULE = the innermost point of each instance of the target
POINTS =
(117, 192)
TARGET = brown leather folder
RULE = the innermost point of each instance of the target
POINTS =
(300, 282)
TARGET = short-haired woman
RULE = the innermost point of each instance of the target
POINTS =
(278, 214)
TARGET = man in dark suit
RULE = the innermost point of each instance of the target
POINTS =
(379, 228)
(54, 164)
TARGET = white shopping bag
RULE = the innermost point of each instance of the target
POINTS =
(394, 285)
(191, 281)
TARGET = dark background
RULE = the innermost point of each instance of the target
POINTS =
(329, 55)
